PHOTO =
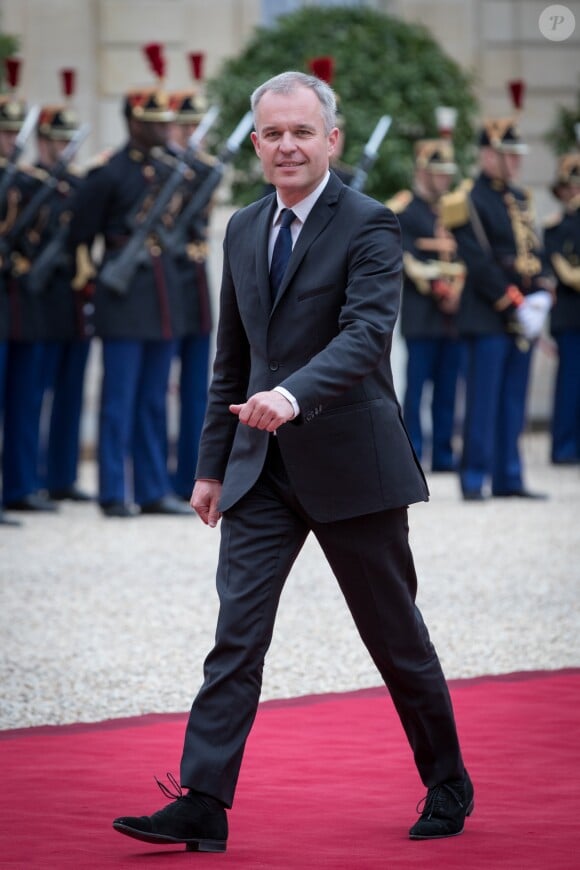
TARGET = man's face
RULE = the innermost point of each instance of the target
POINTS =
(291, 142)
(440, 182)
(504, 167)
(150, 134)
(7, 140)
(181, 133)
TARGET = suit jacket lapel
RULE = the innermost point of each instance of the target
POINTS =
(316, 222)
(262, 236)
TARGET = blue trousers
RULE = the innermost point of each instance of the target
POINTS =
(435, 360)
(64, 371)
(133, 421)
(22, 407)
(566, 410)
(495, 406)
(193, 384)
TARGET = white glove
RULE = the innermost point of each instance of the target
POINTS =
(531, 314)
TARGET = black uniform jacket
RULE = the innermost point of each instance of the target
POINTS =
(562, 242)
(111, 200)
(421, 317)
(488, 245)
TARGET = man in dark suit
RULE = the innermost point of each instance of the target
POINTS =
(303, 433)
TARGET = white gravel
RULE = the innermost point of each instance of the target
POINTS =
(104, 618)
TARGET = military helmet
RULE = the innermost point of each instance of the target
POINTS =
(150, 103)
(435, 155)
(502, 134)
(12, 108)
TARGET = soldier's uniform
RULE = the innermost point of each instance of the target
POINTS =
(493, 226)
(196, 325)
(138, 324)
(67, 320)
(562, 243)
(433, 281)
(12, 114)
(22, 488)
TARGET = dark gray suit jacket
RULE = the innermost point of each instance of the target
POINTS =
(327, 340)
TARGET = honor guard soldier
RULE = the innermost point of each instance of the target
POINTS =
(191, 261)
(433, 281)
(12, 116)
(505, 301)
(22, 489)
(562, 243)
(137, 307)
(66, 303)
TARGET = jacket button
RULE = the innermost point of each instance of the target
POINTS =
(274, 366)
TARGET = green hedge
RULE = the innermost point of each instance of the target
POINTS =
(382, 66)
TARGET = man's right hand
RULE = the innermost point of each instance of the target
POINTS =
(204, 500)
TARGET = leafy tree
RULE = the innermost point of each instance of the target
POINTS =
(382, 66)
(562, 136)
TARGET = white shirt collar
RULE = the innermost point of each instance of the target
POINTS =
(303, 208)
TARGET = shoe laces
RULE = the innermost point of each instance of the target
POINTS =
(436, 800)
(173, 791)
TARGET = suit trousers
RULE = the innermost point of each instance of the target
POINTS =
(261, 537)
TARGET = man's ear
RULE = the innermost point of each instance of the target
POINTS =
(255, 142)
(332, 140)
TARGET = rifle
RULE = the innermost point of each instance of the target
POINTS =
(50, 258)
(19, 145)
(164, 163)
(118, 273)
(176, 239)
(44, 192)
(370, 153)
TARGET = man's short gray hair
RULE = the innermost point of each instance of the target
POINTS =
(288, 82)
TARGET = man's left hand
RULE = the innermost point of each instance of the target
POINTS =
(268, 410)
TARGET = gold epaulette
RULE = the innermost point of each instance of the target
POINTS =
(454, 206)
(552, 220)
(400, 201)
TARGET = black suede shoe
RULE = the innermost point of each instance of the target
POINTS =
(196, 820)
(444, 811)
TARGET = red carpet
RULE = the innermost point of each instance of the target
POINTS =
(327, 782)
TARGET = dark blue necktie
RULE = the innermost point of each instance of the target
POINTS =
(281, 252)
